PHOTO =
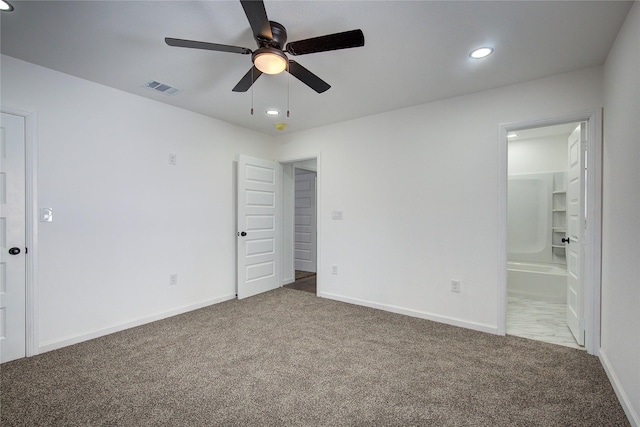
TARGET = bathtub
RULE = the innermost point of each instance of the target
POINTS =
(545, 282)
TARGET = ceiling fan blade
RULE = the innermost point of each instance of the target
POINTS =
(207, 46)
(257, 16)
(307, 77)
(250, 78)
(345, 40)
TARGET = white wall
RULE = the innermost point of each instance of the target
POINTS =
(419, 192)
(621, 218)
(546, 154)
(124, 219)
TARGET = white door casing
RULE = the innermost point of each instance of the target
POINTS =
(259, 200)
(12, 238)
(305, 220)
(575, 226)
(592, 236)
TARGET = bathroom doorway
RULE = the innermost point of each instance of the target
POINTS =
(551, 256)
(537, 233)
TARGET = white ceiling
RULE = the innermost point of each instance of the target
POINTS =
(415, 51)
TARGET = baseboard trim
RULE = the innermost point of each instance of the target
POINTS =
(633, 416)
(413, 313)
(132, 324)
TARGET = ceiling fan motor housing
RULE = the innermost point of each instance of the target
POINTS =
(279, 34)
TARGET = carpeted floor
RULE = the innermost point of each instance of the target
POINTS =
(289, 358)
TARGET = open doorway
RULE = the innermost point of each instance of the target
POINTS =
(301, 201)
(560, 237)
(537, 235)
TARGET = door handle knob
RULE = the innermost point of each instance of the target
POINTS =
(567, 240)
(242, 233)
(14, 251)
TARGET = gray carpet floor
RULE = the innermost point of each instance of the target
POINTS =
(289, 358)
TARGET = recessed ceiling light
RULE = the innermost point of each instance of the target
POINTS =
(5, 6)
(481, 52)
(273, 112)
(512, 135)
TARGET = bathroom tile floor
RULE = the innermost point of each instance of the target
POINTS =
(539, 320)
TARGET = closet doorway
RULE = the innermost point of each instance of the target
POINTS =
(304, 178)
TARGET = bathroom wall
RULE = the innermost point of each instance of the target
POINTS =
(534, 155)
(537, 167)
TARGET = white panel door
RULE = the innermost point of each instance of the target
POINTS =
(259, 199)
(305, 222)
(12, 238)
(575, 232)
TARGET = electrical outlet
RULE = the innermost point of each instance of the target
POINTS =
(334, 269)
(173, 279)
(173, 159)
(455, 285)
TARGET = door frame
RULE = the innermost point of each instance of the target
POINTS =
(318, 157)
(31, 228)
(591, 270)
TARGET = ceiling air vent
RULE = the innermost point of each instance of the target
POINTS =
(161, 87)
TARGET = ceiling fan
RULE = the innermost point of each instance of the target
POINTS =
(271, 55)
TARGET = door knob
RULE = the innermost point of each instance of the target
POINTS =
(243, 233)
(14, 251)
(567, 240)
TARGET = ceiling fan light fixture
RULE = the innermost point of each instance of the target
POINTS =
(481, 52)
(270, 60)
(5, 6)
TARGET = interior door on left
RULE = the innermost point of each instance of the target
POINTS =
(259, 201)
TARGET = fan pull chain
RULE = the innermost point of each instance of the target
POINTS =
(252, 91)
(288, 80)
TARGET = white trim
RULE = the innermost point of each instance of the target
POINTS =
(501, 274)
(31, 228)
(131, 324)
(593, 256)
(318, 157)
(625, 402)
(481, 327)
